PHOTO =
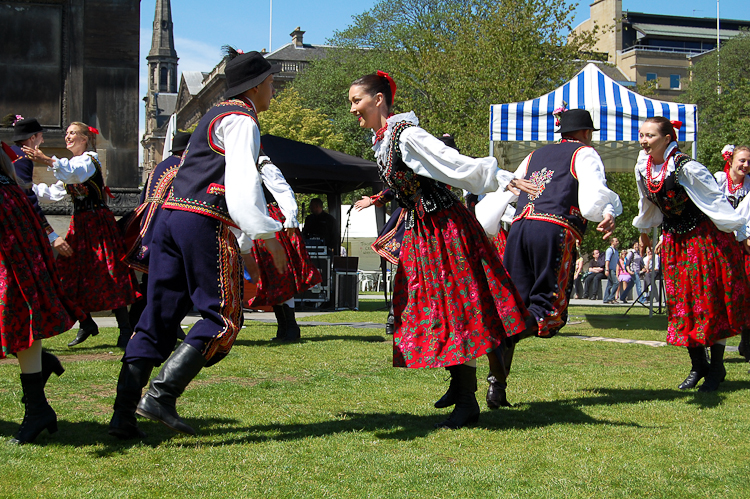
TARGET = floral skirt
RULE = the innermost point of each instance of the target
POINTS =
(453, 300)
(708, 292)
(500, 240)
(388, 243)
(95, 277)
(300, 275)
(33, 305)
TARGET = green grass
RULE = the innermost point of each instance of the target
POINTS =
(330, 417)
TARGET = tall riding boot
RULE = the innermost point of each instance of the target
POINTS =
(87, 328)
(50, 364)
(292, 328)
(745, 344)
(451, 396)
(278, 311)
(716, 372)
(177, 372)
(699, 367)
(38, 414)
(123, 323)
(133, 377)
(390, 323)
(467, 408)
(498, 377)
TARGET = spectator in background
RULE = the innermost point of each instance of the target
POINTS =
(322, 225)
(596, 274)
(611, 257)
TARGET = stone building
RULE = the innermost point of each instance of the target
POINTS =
(76, 60)
(646, 47)
(162, 86)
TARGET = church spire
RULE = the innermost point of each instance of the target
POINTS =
(162, 58)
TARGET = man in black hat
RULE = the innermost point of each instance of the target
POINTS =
(540, 253)
(215, 209)
(28, 132)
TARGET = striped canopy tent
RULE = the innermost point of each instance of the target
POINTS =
(517, 129)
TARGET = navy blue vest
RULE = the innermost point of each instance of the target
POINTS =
(680, 213)
(25, 171)
(199, 184)
(551, 169)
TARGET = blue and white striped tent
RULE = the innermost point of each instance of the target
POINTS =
(518, 128)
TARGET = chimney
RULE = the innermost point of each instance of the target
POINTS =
(297, 37)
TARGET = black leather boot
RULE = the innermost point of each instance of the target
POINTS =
(278, 311)
(500, 361)
(177, 372)
(699, 368)
(716, 371)
(38, 414)
(133, 377)
(451, 396)
(390, 324)
(466, 410)
(87, 328)
(123, 323)
(292, 328)
(50, 364)
(744, 347)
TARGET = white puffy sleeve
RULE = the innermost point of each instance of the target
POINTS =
(239, 136)
(595, 199)
(50, 193)
(282, 192)
(703, 190)
(75, 170)
(491, 209)
(649, 215)
(429, 157)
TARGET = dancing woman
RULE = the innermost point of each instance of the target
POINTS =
(94, 276)
(707, 288)
(453, 300)
(32, 303)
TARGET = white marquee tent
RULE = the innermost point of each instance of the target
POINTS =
(518, 128)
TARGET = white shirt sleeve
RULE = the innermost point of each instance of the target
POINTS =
(282, 192)
(490, 210)
(239, 136)
(743, 210)
(703, 190)
(649, 215)
(595, 199)
(429, 157)
(50, 193)
(75, 170)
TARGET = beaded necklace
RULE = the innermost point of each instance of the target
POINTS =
(732, 187)
(653, 187)
(381, 132)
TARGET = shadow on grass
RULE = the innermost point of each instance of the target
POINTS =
(313, 339)
(630, 322)
(385, 425)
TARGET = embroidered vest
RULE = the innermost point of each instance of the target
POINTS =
(551, 170)
(198, 186)
(680, 213)
(89, 195)
(420, 195)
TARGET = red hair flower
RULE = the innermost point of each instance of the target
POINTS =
(93, 130)
(391, 83)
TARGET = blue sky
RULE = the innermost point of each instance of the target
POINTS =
(201, 27)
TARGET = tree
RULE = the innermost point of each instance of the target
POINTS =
(451, 60)
(722, 118)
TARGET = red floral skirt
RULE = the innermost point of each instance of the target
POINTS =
(95, 277)
(33, 305)
(453, 300)
(708, 292)
(300, 275)
(500, 240)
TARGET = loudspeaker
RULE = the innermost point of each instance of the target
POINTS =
(347, 290)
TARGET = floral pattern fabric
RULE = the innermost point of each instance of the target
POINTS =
(95, 277)
(708, 292)
(32, 303)
(453, 300)
(300, 275)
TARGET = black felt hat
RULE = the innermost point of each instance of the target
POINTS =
(180, 141)
(25, 128)
(247, 71)
(575, 119)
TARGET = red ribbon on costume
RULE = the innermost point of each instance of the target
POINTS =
(109, 192)
(11, 154)
(676, 124)
(93, 130)
(391, 83)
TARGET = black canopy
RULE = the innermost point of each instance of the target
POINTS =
(317, 170)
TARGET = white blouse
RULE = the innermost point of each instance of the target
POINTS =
(75, 170)
(282, 192)
(701, 188)
(429, 157)
(742, 192)
(595, 199)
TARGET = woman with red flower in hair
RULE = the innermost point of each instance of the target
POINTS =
(92, 272)
(707, 288)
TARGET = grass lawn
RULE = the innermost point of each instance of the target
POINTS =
(330, 417)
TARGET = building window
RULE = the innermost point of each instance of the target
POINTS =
(163, 80)
(651, 76)
(674, 82)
